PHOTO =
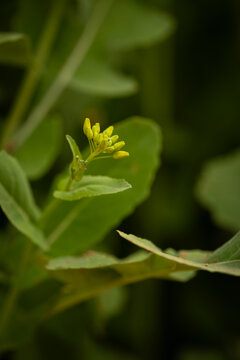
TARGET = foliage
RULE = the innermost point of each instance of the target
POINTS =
(57, 222)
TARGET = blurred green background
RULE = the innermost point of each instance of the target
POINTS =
(189, 83)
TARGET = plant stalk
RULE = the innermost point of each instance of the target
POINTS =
(66, 73)
(34, 72)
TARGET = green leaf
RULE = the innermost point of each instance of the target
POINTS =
(225, 260)
(90, 220)
(228, 251)
(91, 186)
(132, 24)
(93, 273)
(97, 78)
(14, 49)
(75, 149)
(128, 25)
(16, 199)
(218, 189)
(40, 150)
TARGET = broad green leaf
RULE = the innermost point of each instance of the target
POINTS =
(132, 24)
(40, 150)
(225, 260)
(74, 226)
(16, 199)
(91, 186)
(14, 49)
(219, 190)
(97, 78)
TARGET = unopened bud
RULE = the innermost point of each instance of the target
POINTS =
(109, 150)
(86, 125)
(114, 138)
(120, 155)
(89, 134)
(119, 145)
(108, 131)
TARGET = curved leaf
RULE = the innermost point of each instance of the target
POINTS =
(16, 199)
(219, 190)
(91, 186)
(97, 78)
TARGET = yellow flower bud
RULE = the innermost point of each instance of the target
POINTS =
(119, 145)
(120, 155)
(109, 150)
(104, 143)
(86, 125)
(89, 133)
(108, 131)
(96, 129)
(98, 139)
(114, 138)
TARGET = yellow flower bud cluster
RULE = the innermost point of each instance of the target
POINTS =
(103, 142)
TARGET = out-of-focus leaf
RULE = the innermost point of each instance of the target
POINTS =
(14, 49)
(40, 150)
(97, 78)
(128, 25)
(91, 186)
(16, 199)
(132, 24)
(112, 301)
(18, 332)
(219, 190)
(74, 226)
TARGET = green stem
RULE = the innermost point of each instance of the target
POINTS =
(11, 298)
(66, 73)
(33, 74)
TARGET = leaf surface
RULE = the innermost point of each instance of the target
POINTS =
(219, 190)
(14, 49)
(40, 150)
(16, 199)
(90, 186)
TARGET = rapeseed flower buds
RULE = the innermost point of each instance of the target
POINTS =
(120, 155)
(86, 126)
(96, 131)
(103, 143)
(89, 134)
(108, 131)
(114, 138)
(119, 145)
